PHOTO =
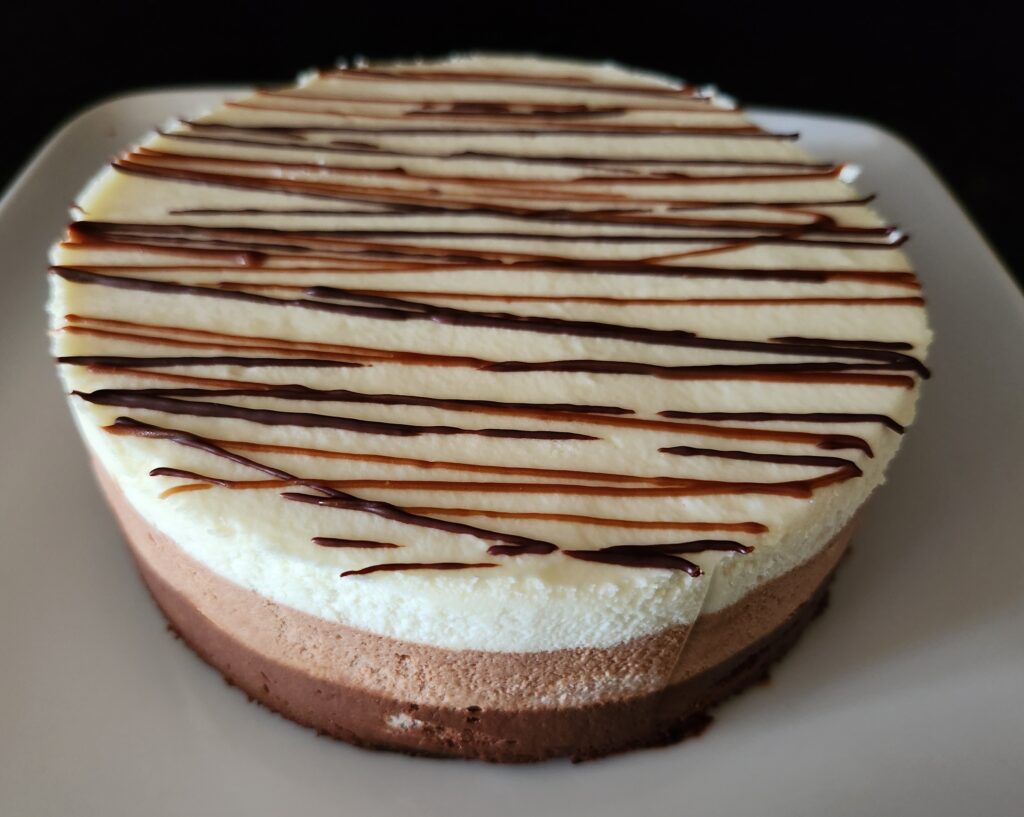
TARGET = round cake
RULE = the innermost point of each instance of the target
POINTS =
(492, 407)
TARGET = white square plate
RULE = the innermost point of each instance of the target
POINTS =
(904, 699)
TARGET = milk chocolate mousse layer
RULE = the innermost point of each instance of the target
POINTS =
(540, 387)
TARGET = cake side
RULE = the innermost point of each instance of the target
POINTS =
(583, 351)
(379, 692)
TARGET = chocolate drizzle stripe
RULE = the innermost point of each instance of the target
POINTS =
(823, 373)
(298, 392)
(778, 459)
(639, 559)
(259, 239)
(124, 398)
(637, 132)
(810, 276)
(366, 149)
(658, 556)
(334, 542)
(393, 309)
(579, 184)
(395, 566)
(127, 362)
(408, 197)
(797, 417)
(820, 373)
(682, 487)
(521, 125)
(832, 441)
(507, 544)
(791, 373)
(172, 335)
(606, 300)
(467, 107)
(577, 519)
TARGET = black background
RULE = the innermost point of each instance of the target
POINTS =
(946, 79)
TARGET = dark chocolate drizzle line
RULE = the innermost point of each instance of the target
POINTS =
(784, 372)
(663, 556)
(299, 392)
(780, 459)
(811, 276)
(391, 566)
(271, 238)
(412, 310)
(508, 544)
(395, 309)
(126, 398)
(180, 473)
(393, 124)
(856, 344)
(690, 104)
(335, 542)
(798, 417)
(599, 415)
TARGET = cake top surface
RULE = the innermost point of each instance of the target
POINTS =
(489, 352)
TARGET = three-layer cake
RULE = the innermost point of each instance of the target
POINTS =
(494, 407)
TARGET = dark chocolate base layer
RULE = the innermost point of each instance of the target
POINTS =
(359, 717)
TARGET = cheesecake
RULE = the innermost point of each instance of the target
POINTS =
(490, 407)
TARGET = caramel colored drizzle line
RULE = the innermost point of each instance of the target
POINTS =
(800, 489)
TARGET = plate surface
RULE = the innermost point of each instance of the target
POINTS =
(903, 699)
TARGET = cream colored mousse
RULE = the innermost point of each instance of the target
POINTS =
(422, 182)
